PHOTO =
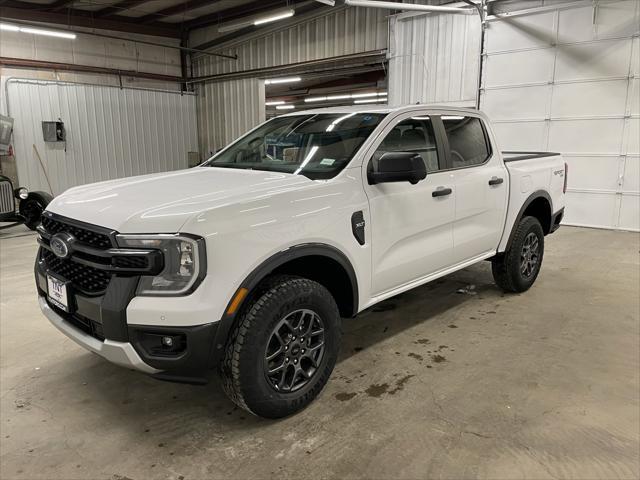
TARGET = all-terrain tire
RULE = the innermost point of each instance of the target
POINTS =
(507, 268)
(242, 369)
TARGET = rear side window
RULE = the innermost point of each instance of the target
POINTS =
(467, 141)
(413, 135)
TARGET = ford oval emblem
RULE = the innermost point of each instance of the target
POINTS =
(61, 244)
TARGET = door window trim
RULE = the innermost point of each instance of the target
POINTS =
(437, 137)
(447, 148)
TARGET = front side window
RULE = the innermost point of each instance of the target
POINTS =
(413, 135)
(467, 141)
(317, 146)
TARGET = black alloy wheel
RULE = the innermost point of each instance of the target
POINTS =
(294, 351)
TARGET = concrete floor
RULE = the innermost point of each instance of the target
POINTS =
(433, 384)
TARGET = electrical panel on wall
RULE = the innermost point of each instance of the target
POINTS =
(54, 131)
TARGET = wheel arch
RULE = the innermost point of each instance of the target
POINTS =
(319, 262)
(538, 205)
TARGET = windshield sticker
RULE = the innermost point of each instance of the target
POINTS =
(327, 161)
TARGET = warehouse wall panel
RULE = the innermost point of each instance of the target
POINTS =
(578, 64)
(227, 110)
(433, 58)
(342, 31)
(111, 132)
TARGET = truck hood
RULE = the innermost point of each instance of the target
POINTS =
(162, 203)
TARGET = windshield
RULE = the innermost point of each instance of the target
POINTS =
(317, 146)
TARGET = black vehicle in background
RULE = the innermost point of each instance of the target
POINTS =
(19, 205)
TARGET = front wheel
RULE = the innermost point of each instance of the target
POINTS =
(517, 268)
(31, 209)
(283, 349)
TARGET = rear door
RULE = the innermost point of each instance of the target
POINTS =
(481, 186)
(412, 229)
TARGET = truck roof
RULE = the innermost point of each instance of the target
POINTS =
(381, 109)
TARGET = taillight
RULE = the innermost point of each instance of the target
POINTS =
(566, 174)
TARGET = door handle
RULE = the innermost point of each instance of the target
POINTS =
(441, 192)
(496, 181)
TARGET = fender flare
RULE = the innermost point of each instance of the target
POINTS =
(43, 197)
(530, 199)
(264, 269)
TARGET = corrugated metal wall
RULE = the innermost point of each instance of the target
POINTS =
(228, 109)
(434, 58)
(111, 132)
(343, 31)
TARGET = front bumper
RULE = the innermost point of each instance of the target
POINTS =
(99, 324)
(120, 353)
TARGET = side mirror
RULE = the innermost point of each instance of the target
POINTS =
(398, 167)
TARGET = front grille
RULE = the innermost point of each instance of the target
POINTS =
(83, 277)
(83, 235)
(7, 204)
(130, 261)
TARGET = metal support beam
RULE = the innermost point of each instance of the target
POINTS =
(68, 67)
(180, 47)
(118, 7)
(176, 10)
(407, 6)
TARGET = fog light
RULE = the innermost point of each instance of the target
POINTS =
(162, 344)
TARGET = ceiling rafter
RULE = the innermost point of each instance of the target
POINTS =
(114, 9)
(18, 10)
(241, 11)
(176, 10)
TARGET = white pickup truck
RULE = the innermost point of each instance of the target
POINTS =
(247, 263)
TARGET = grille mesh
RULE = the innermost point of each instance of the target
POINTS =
(130, 262)
(87, 279)
(6, 198)
(88, 237)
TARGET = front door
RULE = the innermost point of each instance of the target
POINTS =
(411, 225)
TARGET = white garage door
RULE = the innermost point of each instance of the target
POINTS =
(567, 79)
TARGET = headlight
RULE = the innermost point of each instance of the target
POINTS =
(184, 262)
(22, 193)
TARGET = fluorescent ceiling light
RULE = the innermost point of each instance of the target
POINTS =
(371, 100)
(37, 31)
(285, 107)
(249, 21)
(452, 117)
(331, 3)
(274, 102)
(275, 17)
(9, 28)
(363, 95)
(338, 97)
(315, 99)
(282, 80)
(420, 118)
(344, 97)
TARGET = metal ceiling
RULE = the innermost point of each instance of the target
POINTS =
(166, 18)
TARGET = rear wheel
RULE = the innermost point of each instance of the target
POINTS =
(283, 348)
(517, 269)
